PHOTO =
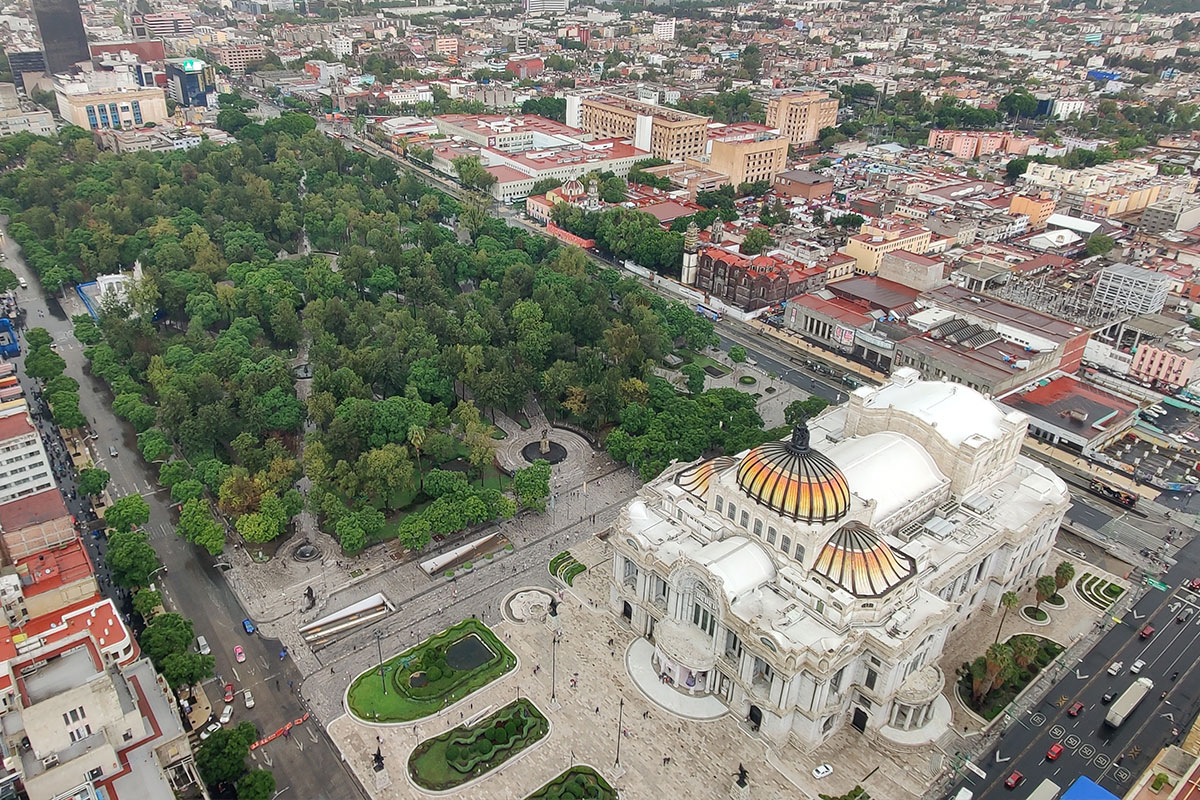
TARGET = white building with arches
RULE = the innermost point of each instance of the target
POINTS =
(811, 584)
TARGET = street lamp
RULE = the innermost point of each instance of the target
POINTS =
(379, 646)
(553, 665)
(620, 720)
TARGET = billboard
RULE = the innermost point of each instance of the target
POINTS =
(1103, 75)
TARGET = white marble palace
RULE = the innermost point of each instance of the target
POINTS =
(811, 584)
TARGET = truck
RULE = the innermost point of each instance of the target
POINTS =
(1120, 710)
(1046, 790)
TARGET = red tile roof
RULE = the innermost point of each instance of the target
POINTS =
(15, 425)
(52, 569)
(32, 510)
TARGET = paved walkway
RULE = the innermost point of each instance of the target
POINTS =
(704, 754)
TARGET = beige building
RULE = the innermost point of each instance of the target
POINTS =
(876, 239)
(237, 56)
(802, 115)
(668, 134)
(96, 105)
(747, 153)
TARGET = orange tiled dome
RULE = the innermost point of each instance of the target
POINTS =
(794, 480)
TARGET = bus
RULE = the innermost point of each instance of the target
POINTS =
(705, 311)
(1124, 705)
(1113, 494)
(11, 393)
(1046, 790)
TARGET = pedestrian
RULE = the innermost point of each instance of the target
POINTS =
(597, 709)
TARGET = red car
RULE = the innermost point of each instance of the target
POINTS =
(1195, 583)
(1074, 710)
(1147, 631)
(1054, 752)
(229, 693)
(1014, 780)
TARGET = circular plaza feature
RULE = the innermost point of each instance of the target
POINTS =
(554, 452)
(528, 605)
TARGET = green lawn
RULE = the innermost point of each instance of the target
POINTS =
(468, 751)
(700, 360)
(577, 783)
(403, 702)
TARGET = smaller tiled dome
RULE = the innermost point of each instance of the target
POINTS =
(694, 480)
(856, 559)
(574, 188)
(794, 480)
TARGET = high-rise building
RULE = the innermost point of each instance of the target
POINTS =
(25, 468)
(162, 25)
(802, 115)
(747, 152)
(24, 63)
(538, 7)
(60, 24)
(664, 29)
(191, 82)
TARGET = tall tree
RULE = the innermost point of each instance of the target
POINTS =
(1009, 600)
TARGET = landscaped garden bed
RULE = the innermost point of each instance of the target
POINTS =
(564, 567)
(578, 783)
(1097, 591)
(441, 670)
(1034, 614)
(993, 680)
(468, 751)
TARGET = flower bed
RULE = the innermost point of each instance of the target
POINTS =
(1034, 614)
(1035, 653)
(442, 683)
(578, 783)
(468, 751)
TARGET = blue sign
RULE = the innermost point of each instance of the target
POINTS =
(1102, 75)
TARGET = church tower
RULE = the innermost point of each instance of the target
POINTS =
(593, 195)
(717, 231)
(691, 254)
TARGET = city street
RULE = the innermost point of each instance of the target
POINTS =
(1112, 757)
(191, 583)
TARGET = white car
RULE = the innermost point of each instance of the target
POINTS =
(1137, 666)
(823, 771)
(1115, 669)
(227, 715)
(249, 698)
(207, 732)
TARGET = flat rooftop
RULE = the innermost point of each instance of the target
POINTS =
(1069, 403)
(639, 107)
(61, 674)
(968, 303)
(877, 293)
(508, 123)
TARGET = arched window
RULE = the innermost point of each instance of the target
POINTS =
(799, 551)
(720, 504)
(758, 528)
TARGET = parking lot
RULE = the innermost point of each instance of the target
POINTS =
(1164, 444)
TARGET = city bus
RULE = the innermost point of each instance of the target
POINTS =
(7, 381)
(705, 311)
(1113, 494)
(1046, 790)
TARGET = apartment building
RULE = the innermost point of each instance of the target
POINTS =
(24, 465)
(664, 30)
(1153, 363)
(802, 115)
(163, 25)
(665, 132)
(802, 183)
(539, 7)
(237, 56)
(966, 145)
(875, 239)
(746, 152)
(1038, 208)
(1172, 214)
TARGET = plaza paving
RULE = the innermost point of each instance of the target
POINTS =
(704, 754)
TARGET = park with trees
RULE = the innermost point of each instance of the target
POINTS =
(413, 336)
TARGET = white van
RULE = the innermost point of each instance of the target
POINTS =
(202, 646)
(964, 794)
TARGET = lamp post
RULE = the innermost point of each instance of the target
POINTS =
(379, 646)
(553, 665)
(620, 720)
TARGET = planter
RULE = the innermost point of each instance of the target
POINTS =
(1030, 614)
(1057, 606)
(449, 574)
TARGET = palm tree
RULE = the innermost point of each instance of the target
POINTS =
(416, 437)
(1024, 650)
(1009, 600)
(1063, 574)
(998, 665)
(1045, 587)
